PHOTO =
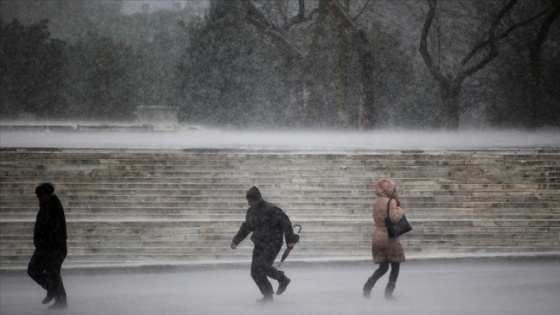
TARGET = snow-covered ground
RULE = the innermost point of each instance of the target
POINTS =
(459, 287)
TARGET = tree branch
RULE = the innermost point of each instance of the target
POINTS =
(434, 70)
(299, 17)
(257, 18)
(552, 15)
(493, 38)
(340, 15)
(361, 11)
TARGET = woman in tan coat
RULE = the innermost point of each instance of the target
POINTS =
(385, 250)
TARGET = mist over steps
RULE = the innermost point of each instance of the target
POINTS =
(132, 207)
(159, 136)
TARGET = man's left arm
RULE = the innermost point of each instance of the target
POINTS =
(291, 237)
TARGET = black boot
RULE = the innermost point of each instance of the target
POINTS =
(282, 284)
(367, 287)
(60, 302)
(266, 299)
(389, 292)
(48, 298)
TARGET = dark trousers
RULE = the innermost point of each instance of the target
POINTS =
(261, 268)
(383, 268)
(44, 267)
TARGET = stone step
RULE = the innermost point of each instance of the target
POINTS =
(224, 251)
(504, 154)
(240, 255)
(113, 214)
(424, 237)
(170, 156)
(505, 230)
(308, 182)
(428, 242)
(124, 189)
(322, 194)
(309, 208)
(354, 207)
(138, 206)
(341, 166)
(46, 160)
(547, 168)
(243, 257)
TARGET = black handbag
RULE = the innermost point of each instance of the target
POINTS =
(399, 228)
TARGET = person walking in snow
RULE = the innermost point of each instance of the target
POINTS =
(385, 251)
(49, 238)
(269, 224)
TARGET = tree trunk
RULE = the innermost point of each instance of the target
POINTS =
(310, 102)
(534, 87)
(367, 110)
(535, 65)
(341, 74)
(485, 49)
(450, 92)
(365, 52)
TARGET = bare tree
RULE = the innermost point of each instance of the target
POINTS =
(482, 52)
(552, 12)
(279, 30)
(341, 73)
(365, 53)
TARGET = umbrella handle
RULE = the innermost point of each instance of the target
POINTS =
(299, 226)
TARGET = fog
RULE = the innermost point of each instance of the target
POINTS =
(281, 65)
(107, 59)
(424, 287)
(299, 140)
(445, 287)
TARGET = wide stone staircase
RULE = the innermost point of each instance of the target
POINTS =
(129, 208)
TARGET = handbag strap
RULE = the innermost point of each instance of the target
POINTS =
(388, 204)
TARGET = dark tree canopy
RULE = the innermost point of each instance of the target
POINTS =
(343, 64)
(31, 65)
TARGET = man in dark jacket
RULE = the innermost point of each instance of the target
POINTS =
(269, 224)
(49, 238)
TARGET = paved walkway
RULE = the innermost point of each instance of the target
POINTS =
(465, 286)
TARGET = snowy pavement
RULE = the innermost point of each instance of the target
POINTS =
(475, 286)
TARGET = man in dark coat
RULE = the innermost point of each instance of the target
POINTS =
(49, 238)
(269, 224)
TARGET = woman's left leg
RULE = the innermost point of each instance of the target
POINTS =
(395, 267)
(383, 268)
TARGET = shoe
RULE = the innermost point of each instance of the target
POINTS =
(367, 288)
(389, 292)
(266, 299)
(282, 285)
(48, 299)
(59, 305)
(60, 302)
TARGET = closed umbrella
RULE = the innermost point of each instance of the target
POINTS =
(287, 251)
